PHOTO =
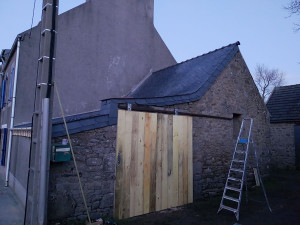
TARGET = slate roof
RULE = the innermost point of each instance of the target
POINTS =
(189, 79)
(184, 82)
(77, 123)
(284, 104)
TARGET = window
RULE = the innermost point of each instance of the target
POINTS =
(11, 86)
(3, 92)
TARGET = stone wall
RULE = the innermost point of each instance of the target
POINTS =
(283, 145)
(234, 92)
(95, 155)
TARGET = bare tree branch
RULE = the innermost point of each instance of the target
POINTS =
(266, 79)
(294, 9)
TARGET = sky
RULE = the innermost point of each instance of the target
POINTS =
(193, 27)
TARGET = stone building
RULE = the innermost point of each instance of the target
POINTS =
(121, 59)
(284, 107)
(216, 89)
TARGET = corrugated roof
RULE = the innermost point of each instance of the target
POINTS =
(284, 104)
(187, 78)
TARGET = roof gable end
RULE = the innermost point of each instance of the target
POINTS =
(187, 78)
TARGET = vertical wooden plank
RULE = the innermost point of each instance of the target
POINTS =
(180, 158)
(170, 160)
(190, 158)
(133, 163)
(158, 178)
(153, 158)
(184, 143)
(154, 163)
(176, 130)
(164, 162)
(140, 167)
(126, 166)
(118, 202)
(147, 149)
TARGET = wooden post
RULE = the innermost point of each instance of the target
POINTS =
(38, 175)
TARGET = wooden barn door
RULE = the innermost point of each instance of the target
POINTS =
(153, 163)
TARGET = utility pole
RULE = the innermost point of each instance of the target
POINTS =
(39, 160)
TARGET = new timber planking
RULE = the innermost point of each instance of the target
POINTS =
(154, 163)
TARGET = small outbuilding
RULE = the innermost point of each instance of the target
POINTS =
(164, 134)
(170, 141)
(284, 108)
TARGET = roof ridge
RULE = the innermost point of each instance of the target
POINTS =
(288, 86)
(217, 49)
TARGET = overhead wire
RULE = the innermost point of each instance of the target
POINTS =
(32, 18)
(73, 155)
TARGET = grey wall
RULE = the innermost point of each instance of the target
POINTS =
(104, 49)
(19, 166)
(28, 61)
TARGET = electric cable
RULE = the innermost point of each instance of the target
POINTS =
(73, 155)
(32, 18)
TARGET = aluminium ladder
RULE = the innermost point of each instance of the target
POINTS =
(232, 195)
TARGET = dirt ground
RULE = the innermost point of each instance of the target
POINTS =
(283, 190)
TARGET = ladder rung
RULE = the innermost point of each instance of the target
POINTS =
(240, 151)
(239, 161)
(231, 198)
(235, 179)
(237, 170)
(228, 208)
(233, 189)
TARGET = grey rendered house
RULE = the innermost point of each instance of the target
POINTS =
(110, 51)
(284, 107)
(98, 43)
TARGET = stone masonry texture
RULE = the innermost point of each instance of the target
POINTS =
(94, 151)
(233, 93)
(283, 145)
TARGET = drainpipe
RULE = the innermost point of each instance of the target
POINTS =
(13, 103)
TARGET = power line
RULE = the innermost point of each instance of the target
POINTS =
(32, 18)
